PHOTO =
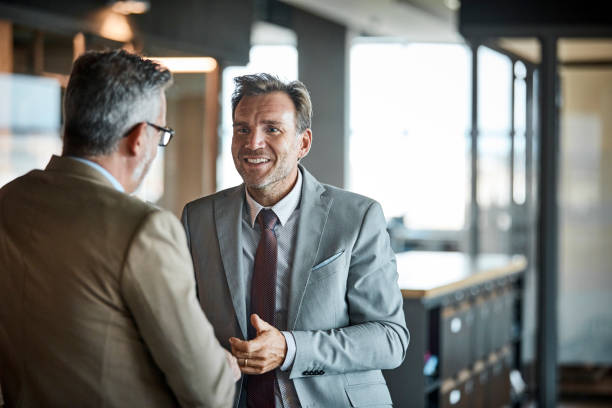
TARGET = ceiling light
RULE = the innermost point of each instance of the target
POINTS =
(187, 64)
(130, 6)
(115, 27)
(454, 5)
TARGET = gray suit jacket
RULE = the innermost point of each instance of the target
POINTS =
(97, 300)
(345, 307)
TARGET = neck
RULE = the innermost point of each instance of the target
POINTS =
(113, 163)
(273, 193)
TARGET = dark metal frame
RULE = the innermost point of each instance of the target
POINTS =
(532, 233)
(474, 230)
(548, 220)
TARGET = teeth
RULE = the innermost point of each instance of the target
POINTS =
(257, 161)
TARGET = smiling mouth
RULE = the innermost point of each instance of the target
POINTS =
(258, 160)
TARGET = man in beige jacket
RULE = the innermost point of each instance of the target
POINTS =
(97, 291)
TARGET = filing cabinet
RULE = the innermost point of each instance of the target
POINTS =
(462, 335)
(457, 329)
(457, 393)
(480, 379)
(483, 324)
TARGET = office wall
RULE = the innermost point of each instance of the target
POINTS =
(322, 66)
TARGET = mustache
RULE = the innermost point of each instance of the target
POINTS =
(257, 152)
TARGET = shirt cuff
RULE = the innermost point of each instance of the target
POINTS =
(290, 356)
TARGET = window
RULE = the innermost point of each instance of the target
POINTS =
(495, 73)
(30, 116)
(409, 121)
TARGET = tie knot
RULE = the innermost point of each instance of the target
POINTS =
(267, 219)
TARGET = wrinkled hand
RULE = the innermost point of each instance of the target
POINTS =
(262, 354)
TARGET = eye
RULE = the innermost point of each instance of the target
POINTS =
(272, 129)
(242, 130)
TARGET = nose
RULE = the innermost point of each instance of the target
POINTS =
(255, 140)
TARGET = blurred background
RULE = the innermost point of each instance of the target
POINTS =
(484, 128)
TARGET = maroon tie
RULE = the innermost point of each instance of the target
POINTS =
(260, 388)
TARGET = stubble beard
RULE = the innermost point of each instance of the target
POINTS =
(276, 176)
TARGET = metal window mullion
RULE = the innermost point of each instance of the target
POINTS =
(474, 236)
(547, 242)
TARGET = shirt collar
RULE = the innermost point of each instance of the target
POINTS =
(102, 171)
(283, 209)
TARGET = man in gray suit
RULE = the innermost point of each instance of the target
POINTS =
(297, 277)
(97, 296)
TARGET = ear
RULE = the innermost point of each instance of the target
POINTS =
(135, 139)
(305, 143)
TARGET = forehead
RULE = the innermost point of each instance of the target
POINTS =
(276, 104)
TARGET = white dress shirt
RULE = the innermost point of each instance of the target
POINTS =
(288, 213)
(102, 171)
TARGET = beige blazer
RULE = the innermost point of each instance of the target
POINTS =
(97, 299)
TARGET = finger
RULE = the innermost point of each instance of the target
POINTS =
(250, 347)
(252, 370)
(256, 355)
(259, 324)
(258, 367)
(238, 345)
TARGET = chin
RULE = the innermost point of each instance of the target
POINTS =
(256, 185)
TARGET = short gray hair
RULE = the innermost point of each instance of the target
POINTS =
(109, 93)
(261, 84)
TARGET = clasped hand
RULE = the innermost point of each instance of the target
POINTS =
(264, 353)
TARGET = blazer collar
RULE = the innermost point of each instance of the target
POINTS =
(314, 209)
(228, 210)
(78, 169)
(228, 218)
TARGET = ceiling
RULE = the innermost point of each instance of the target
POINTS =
(409, 20)
(570, 50)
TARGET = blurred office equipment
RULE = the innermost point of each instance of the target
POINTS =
(466, 318)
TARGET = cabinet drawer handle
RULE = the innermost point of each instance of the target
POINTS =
(455, 325)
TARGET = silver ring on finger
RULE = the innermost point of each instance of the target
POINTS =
(246, 362)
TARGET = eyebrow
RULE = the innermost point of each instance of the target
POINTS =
(272, 122)
(266, 122)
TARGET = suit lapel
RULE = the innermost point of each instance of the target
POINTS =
(228, 219)
(314, 209)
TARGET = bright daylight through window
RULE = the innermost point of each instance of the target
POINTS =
(410, 117)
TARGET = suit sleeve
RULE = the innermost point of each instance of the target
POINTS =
(159, 288)
(377, 337)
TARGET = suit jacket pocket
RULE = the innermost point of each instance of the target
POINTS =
(364, 377)
(366, 395)
(321, 270)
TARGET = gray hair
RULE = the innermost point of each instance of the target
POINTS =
(108, 94)
(261, 84)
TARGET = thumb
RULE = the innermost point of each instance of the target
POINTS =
(259, 324)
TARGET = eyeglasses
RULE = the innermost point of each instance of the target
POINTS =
(167, 134)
